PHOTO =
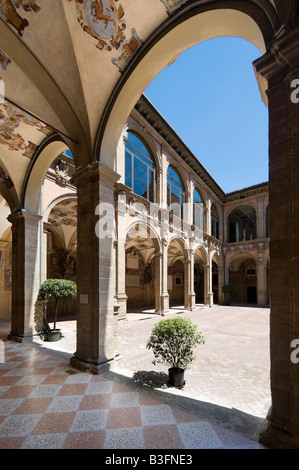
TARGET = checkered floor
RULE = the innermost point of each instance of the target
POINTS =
(45, 404)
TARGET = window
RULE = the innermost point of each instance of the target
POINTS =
(198, 210)
(175, 192)
(214, 222)
(242, 224)
(140, 173)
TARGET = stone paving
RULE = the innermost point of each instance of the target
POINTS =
(45, 403)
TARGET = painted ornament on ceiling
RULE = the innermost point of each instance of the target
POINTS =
(172, 5)
(8, 12)
(103, 20)
(11, 118)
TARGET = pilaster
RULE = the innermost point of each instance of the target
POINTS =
(278, 68)
(25, 273)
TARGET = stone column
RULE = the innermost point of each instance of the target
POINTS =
(192, 295)
(164, 295)
(206, 268)
(121, 296)
(260, 220)
(261, 283)
(187, 284)
(96, 319)
(220, 284)
(208, 216)
(25, 273)
(279, 68)
(158, 281)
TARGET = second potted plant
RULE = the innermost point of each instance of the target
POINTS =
(59, 290)
(173, 342)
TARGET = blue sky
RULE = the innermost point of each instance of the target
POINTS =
(211, 99)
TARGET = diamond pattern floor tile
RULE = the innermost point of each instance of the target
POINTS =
(45, 404)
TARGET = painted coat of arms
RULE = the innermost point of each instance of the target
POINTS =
(103, 20)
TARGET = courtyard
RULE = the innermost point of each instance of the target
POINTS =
(228, 385)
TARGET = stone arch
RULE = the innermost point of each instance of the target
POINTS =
(191, 24)
(203, 252)
(150, 230)
(55, 201)
(7, 188)
(183, 245)
(140, 270)
(44, 157)
(243, 272)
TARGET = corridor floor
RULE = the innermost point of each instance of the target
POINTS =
(46, 404)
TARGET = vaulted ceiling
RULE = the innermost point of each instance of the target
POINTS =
(61, 61)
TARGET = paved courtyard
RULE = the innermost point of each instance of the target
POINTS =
(225, 399)
(232, 368)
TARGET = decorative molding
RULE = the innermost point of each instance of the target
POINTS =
(172, 5)
(9, 13)
(127, 50)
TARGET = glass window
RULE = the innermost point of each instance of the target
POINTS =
(198, 210)
(242, 224)
(214, 222)
(139, 167)
(175, 192)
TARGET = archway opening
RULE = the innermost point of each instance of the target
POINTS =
(243, 277)
(140, 270)
(177, 274)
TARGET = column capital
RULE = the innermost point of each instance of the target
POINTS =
(281, 58)
(23, 215)
(95, 172)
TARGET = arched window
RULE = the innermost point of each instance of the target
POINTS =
(242, 224)
(198, 210)
(140, 172)
(175, 192)
(214, 222)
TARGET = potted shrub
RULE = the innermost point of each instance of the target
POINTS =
(173, 341)
(227, 291)
(59, 290)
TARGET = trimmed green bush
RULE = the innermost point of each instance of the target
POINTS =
(173, 340)
(59, 290)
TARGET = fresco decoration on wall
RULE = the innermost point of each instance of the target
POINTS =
(103, 20)
(172, 5)
(64, 213)
(4, 60)
(8, 12)
(127, 50)
(11, 117)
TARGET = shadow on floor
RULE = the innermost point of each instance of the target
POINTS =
(154, 384)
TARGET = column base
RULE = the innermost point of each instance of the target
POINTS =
(164, 304)
(277, 438)
(20, 338)
(92, 367)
